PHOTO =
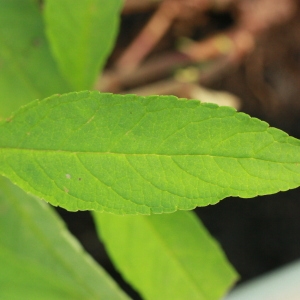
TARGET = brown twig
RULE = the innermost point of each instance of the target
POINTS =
(156, 68)
(149, 36)
(228, 49)
(137, 6)
(168, 86)
(254, 18)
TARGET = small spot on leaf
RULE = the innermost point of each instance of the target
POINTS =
(36, 42)
(68, 176)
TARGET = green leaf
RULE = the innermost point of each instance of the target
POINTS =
(27, 68)
(129, 154)
(39, 258)
(82, 34)
(169, 256)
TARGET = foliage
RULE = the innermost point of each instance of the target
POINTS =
(28, 70)
(129, 154)
(180, 259)
(81, 35)
(116, 154)
(39, 258)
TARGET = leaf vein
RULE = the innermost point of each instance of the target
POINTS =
(150, 182)
(102, 182)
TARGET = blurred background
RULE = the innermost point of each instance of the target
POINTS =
(242, 53)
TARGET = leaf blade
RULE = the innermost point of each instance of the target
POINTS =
(28, 70)
(81, 35)
(39, 257)
(129, 154)
(169, 256)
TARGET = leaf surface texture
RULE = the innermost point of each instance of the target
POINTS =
(130, 154)
(40, 259)
(82, 34)
(28, 70)
(170, 256)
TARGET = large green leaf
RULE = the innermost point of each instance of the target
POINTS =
(82, 34)
(129, 154)
(27, 70)
(169, 256)
(39, 259)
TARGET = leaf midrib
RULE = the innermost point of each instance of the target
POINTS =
(144, 154)
(175, 258)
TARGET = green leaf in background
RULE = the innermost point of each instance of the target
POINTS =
(39, 259)
(27, 70)
(130, 154)
(82, 34)
(170, 256)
